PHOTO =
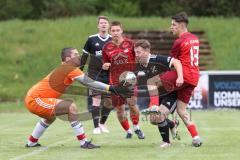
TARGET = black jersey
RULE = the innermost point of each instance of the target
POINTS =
(157, 65)
(93, 48)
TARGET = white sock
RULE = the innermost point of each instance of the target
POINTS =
(196, 137)
(38, 131)
(79, 131)
(136, 127)
(129, 131)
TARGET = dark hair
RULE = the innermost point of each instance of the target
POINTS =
(181, 17)
(103, 17)
(145, 44)
(115, 23)
(66, 52)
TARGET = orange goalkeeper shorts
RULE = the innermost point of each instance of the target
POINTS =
(43, 107)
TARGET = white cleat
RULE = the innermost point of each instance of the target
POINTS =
(103, 128)
(97, 130)
(165, 145)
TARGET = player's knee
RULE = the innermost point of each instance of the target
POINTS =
(49, 120)
(151, 81)
(156, 119)
(108, 103)
(121, 115)
(132, 102)
(73, 108)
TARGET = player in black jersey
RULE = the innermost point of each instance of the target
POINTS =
(93, 50)
(149, 66)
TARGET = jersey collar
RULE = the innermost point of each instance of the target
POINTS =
(103, 39)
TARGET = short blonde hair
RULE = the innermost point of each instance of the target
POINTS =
(102, 17)
(145, 44)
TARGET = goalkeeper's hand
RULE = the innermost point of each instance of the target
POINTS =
(125, 91)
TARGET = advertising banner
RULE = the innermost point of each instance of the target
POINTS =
(217, 89)
(224, 90)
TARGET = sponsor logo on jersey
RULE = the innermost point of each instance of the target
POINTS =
(125, 50)
(98, 53)
(97, 44)
(168, 103)
(169, 59)
(120, 58)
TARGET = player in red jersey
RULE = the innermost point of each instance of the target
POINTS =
(119, 56)
(185, 49)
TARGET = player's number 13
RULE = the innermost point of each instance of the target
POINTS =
(194, 52)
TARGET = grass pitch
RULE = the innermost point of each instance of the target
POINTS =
(219, 130)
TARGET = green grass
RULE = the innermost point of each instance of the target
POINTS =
(219, 130)
(30, 49)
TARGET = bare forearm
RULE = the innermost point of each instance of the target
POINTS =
(178, 66)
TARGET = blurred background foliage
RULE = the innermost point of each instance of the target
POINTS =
(52, 9)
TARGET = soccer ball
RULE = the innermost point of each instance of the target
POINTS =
(128, 78)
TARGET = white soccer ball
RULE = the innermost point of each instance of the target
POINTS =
(128, 78)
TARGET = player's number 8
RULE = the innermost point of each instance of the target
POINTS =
(194, 52)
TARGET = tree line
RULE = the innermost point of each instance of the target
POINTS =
(52, 9)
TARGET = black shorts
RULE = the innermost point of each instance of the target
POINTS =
(170, 101)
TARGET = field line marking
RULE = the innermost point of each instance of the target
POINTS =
(41, 149)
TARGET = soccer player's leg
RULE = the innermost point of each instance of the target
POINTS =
(134, 115)
(161, 122)
(118, 103)
(170, 102)
(105, 111)
(183, 99)
(67, 107)
(96, 101)
(44, 108)
(152, 85)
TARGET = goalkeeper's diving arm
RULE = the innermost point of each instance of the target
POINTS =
(96, 85)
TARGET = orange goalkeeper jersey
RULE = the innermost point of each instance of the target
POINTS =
(56, 82)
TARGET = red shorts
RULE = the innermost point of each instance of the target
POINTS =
(43, 107)
(184, 92)
(118, 101)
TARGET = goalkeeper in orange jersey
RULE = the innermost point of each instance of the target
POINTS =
(43, 98)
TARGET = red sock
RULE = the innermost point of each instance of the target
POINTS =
(192, 130)
(134, 118)
(125, 124)
(32, 139)
(154, 100)
(81, 137)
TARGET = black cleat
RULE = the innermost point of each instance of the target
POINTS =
(140, 134)
(89, 145)
(36, 145)
(129, 136)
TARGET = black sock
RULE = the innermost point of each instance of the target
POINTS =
(95, 116)
(104, 114)
(164, 131)
(171, 124)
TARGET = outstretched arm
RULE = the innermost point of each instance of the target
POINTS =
(90, 83)
(121, 90)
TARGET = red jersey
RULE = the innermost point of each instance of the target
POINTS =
(186, 49)
(122, 58)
